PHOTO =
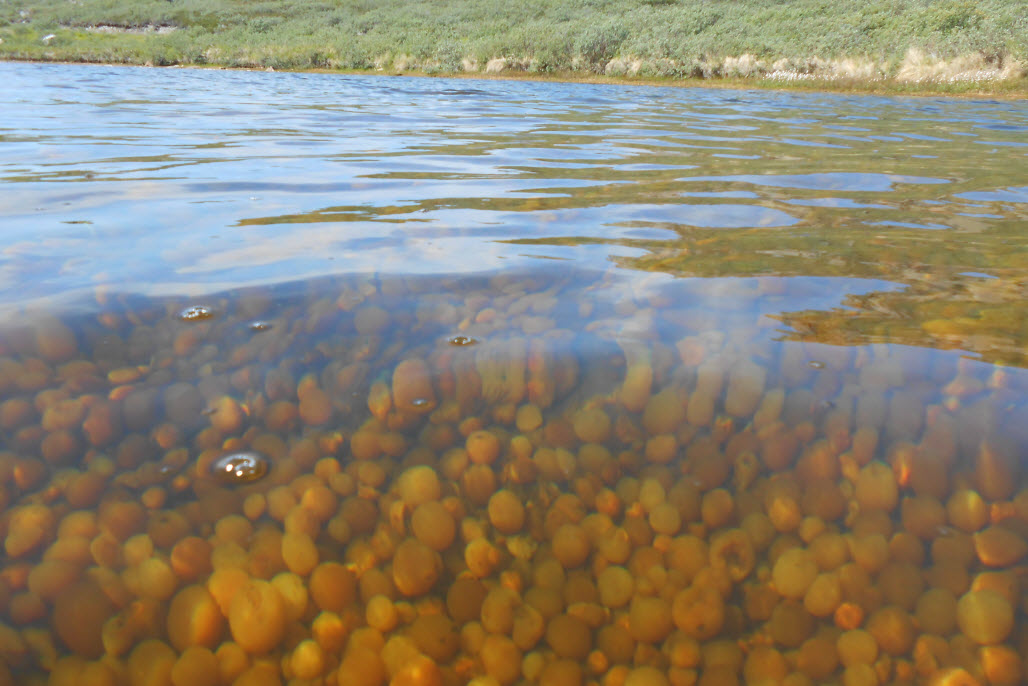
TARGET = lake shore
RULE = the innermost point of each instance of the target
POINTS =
(1009, 89)
(948, 47)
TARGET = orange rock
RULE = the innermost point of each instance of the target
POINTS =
(478, 483)
(416, 567)
(1002, 665)
(1006, 581)
(307, 660)
(59, 447)
(501, 659)
(732, 551)
(299, 553)
(151, 662)
(561, 673)
(745, 388)
(936, 611)
(28, 527)
(196, 666)
(191, 558)
(483, 447)
(985, 617)
(569, 637)
(876, 487)
(967, 510)
(121, 518)
(998, 546)
(15, 413)
(330, 631)
(571, 545)
(794, 571)
(257, 617)
(85, 489)
(433, 525)
(50, 577)
(361, 667)
(699, 611)
(232, 661)
(315, 407)
(280, 415)
(592, 425)
(80, 611)
(418, 485)
(227, 415)
(54, 340)
(765, 663)
(412, 387)
(506, 512)
(194, 619)
(528, 417)
(664, 412)
(63, 414)
(893, 629)
(436, 636)
(464, 599)
(635, 390)
(649, 619)
(380, 400)
(996, 471)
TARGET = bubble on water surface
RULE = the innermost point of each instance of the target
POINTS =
(196, 313)
(240, 468)
(463, 341)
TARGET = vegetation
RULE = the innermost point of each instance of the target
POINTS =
(935, 41)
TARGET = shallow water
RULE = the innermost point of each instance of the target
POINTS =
(766, 352)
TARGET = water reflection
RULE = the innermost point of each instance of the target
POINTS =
(628, 463)
(526, 382)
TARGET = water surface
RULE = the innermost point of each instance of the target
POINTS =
(724, 340)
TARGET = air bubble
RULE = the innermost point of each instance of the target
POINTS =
(240, 468)
(463, 340)
(196, 313)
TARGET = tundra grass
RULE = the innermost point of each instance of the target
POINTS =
(935, 44)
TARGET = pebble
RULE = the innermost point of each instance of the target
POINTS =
(418, 485)
(412, 387)
(194, 619)
(257, 617)
(28, 527)
(432, 524)
(506, 512)
(195, 666)
(80, 612)
(416, 567)
(985, 616)
(431, 511)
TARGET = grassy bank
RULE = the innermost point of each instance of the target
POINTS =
(949, 45)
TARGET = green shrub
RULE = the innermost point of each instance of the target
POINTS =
(599, 44)
(673, 38)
